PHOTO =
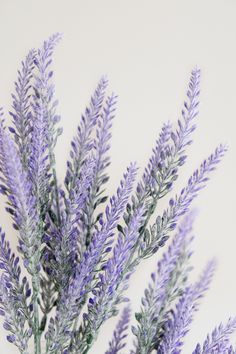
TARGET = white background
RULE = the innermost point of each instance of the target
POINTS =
(147, 49)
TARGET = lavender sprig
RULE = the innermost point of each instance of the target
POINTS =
(177, 326)
(39, 165)
(9, 265)
(44, 89)
(100, 177)
(83, 142)
(63, 252)
(178, 206)
(159, 231)
(14, 298)
(117, 343)
(73, 297)
(108, 292)
(64, 245)
(162, 170)
(21, 203)
(167, 284)
(22, 114)
(26, 220)
(44, 135)
(218, 341)
(14, 321)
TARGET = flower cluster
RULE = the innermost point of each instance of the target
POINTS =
(80, 248)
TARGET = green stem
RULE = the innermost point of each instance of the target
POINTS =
(54, 173)
(37, 335)
(56, 195)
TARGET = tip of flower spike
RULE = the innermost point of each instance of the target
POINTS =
(196, 70)
(55, 37)
(219, 152)
(224, 147)
(206, 276)
(50, 43)
(104, 79)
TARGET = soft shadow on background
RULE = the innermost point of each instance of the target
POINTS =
(147, 49)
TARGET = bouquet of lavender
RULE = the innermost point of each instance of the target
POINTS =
(79, 256)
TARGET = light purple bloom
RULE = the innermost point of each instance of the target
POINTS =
(72, 298)
(14, 321)
(178, 206)
(19, 193)
(102, 161)
(22, 115)
(218, 341)
(108, 292)
(169, 153)
(83, 141)
(177, 326)
(117, 343)
(166, 285)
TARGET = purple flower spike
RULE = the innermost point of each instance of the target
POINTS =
(83, 142)
(72, 298)
(218, 341)
(114, 281)
(22, 115)
(177, 325)
(178, 206)
(117, 343)
(167, 284)
(21, 200)
(102, 161)
(168, 155)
